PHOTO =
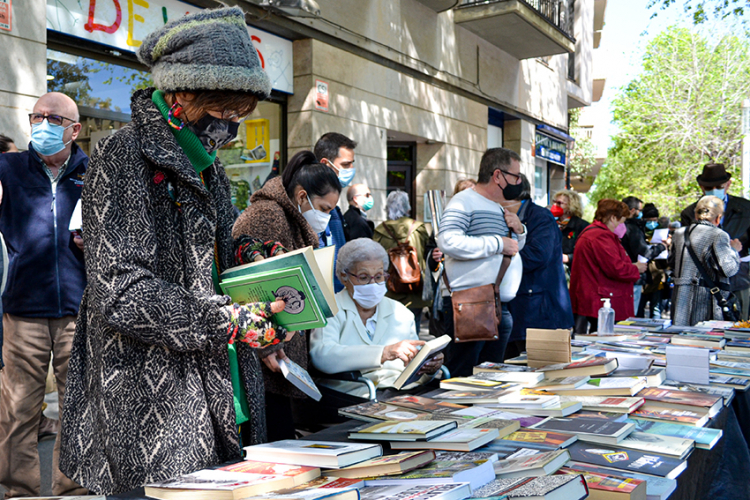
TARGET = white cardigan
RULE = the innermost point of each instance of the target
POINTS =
(344, 345)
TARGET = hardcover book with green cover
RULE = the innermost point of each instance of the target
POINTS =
(303, 278)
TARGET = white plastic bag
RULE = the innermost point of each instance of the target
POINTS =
(512, 279)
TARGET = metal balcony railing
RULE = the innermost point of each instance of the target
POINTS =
(554, 11)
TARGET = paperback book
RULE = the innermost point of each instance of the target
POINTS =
(426, 352)
(412, 430)
(374, 411)
(331, 455)
(457, 440)
(683, 400)
(593, 367)
(705, 438)
(725, 392)
(448, 467)
(561, 487)
(628, 460)
(612, 404)
(215, 484)
(537, 437)
(539, 464)
(609, 486)
(590, 430)
(387, 465)
(657, 488)
(299, 378)
(675, 416)
(452, 491)
(423, 404)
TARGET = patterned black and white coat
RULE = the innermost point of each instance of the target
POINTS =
(693, 303)
(149, 394)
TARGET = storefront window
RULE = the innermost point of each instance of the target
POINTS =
(101, 90)
(251, 158)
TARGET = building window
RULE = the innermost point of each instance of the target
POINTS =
(101, 90)
(401, 172)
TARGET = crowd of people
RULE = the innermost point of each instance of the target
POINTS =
(159, 374)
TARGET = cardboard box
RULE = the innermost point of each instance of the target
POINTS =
(547, 347)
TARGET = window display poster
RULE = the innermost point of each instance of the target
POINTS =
(257, 143)
(6, 8)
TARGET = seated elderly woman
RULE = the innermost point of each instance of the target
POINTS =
(371, 333)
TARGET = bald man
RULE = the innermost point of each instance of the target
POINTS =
(360, 201)
(46, 279)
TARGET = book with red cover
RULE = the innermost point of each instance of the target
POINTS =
(617, 487)
(683, 399)
(683, 417)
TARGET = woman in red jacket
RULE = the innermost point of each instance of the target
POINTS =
(602, 269)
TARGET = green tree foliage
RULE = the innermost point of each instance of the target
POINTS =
(681, 112)
(703, 10)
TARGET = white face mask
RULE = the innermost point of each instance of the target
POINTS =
(369, 296)
(318, 220)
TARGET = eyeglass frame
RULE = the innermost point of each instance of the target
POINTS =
(371, 279)
(517, 176)
(47, 117)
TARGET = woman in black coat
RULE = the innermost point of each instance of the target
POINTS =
(568, 213)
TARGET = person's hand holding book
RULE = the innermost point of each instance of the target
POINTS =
(404, 350)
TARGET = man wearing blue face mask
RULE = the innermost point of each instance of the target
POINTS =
(714, 180)
(360, 202)
(40, 189)
(336, 151)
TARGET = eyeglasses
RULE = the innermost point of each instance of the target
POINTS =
(559, 203)
(366, 279)
(35, 118)
(516, 177)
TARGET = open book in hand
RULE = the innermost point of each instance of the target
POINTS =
(429, 349)
(303, 278)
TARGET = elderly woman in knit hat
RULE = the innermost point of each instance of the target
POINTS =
(162, 363)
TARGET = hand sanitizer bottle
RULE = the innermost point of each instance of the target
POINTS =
(606, 319)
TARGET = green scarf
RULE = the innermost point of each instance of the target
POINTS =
(201, 160)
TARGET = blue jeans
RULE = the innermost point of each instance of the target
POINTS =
(461, 358)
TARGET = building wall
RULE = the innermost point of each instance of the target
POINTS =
(414, 35)
(368, 103)
(23, 59)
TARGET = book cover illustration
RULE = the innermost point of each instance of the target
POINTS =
(447, 464)
(630, 460)
(425, 404)
(605, 482)
(299, 377)
(584, 363)
(535, 487)
(549, 438)
(598, 427)
(679, 397)
(670, 415)
(374, 411)
(424, 492)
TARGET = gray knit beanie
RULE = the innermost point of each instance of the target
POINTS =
(209, 50)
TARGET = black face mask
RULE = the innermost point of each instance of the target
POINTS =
(511, 191)
(213, 132)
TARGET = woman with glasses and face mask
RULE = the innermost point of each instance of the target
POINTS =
(292, 210)
(371, 333)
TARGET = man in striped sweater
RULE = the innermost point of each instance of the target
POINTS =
(475, 233)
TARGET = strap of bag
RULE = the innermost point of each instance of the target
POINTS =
(712, 288)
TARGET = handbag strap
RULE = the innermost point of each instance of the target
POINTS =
(712, 288)
(504, 265)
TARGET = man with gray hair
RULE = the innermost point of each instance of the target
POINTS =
(476, 232)
(41, 188)
(360, 201)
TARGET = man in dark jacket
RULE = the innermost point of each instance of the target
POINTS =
(336, 151)
(40, 188)
(716, 181)
(635, 242)
(360, 201)
(542, 300)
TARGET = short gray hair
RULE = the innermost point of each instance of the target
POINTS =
(397, 205)
(356, 251)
